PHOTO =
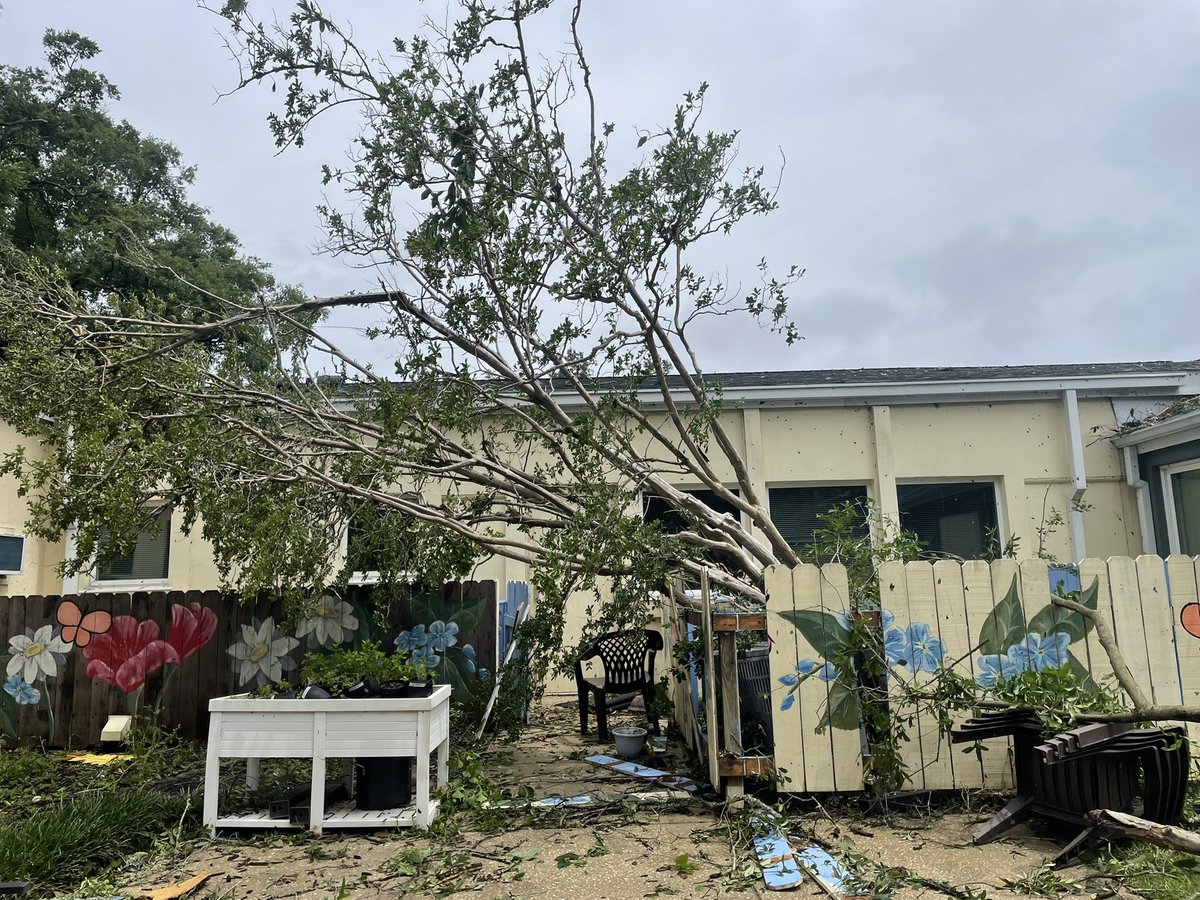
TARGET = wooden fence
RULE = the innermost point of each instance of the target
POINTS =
(70, 662)
(987, 620)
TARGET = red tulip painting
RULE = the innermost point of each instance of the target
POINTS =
(192, 626)
(127, 653)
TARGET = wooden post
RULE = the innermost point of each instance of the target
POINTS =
(710, 686)
(731, 705)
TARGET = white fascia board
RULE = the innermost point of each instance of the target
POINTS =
(1176, 430)
(898, 393)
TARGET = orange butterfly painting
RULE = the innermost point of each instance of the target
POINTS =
(80, 627)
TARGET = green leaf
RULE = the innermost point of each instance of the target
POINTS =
(1082, 675)
(1053, 618)
(842, 709)
(1006, 624)
(642, 140)
(820, 629)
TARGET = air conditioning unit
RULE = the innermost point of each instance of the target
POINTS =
(12, 554)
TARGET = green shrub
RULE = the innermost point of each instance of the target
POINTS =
(64, 844)
(342, 668)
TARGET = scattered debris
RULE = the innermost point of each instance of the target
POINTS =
(631, 768)
(173, 892)
(827, 872)
(96, 759)
(1144, 830)
(780, 870)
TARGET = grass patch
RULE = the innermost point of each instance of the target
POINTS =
(1154, 872)
(77, 839)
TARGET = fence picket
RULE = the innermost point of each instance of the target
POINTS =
(1159, 624)
(1128, 624)
(1096, 571)
(790, 738)
(948, 578)
(1182, 580)
(922, 608)
(846, 744)
(893, 597)
(978, 602)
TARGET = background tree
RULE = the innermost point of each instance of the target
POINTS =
(90, 195)
(541, 310)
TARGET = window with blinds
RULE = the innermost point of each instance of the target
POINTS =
(149, 558)
(673, 520)
(12, 549)
(796, 511)
(956, 519)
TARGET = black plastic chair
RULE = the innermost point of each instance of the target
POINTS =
(628, 661)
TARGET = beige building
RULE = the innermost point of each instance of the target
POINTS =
(960, 455)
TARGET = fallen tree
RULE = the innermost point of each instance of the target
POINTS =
(541, 311)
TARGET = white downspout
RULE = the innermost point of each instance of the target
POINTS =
(1078, 473)
(1133, 477)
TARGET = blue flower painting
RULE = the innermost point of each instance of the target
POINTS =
(443, 635)
(413, 639)
(925, 652)
(22, 691)
(1038, 654)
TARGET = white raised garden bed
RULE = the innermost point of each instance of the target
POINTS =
(252, 729)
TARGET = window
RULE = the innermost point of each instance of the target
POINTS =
(673, 520)
(956, 519)
(149, 558)
(12, 548)
(796, 510)
(1181, 500)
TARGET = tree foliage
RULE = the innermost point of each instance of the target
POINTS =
(90, 195)
(540, 307)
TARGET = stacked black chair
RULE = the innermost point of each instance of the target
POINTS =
(1098, 766)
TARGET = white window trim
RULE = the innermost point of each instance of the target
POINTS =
(1169, 512)
(126, 586)
(4, 573)
(131, 585)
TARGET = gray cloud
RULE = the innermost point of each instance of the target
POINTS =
(993, 182)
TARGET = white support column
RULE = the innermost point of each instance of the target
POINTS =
(755, 466)
(1078, 474)
(886, 499)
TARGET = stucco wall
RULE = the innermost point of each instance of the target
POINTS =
(1022, 446)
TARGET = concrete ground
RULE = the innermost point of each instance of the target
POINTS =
(619, 847)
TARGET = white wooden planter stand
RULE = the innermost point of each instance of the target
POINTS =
(253, 729)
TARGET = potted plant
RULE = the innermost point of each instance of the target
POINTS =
(366, 671)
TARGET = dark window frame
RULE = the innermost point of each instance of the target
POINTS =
(934, 544)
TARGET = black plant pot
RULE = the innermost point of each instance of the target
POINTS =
(383, 782)
(420, 688)
(392, 689)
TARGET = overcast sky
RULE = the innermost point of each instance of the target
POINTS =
(966, 182)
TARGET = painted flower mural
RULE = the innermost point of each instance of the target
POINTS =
(413, 639)
(331, 622)
(128, 652)
(1008, 645)
(424, 656)
(443, 635)
(22, 691)
(36, 655)
(192, 626)
(263, 653)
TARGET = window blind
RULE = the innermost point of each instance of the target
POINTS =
(958, 519)
(149, 558)
(796, 510)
